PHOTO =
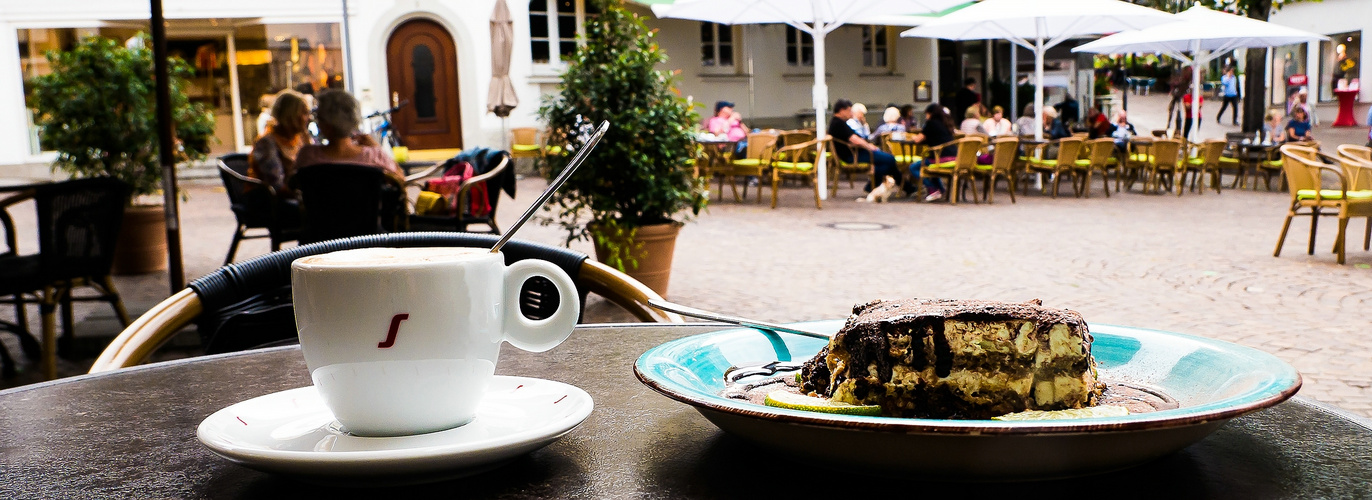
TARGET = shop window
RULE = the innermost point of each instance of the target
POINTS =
(1339, 62)
(556, 27)
(875, 43)
(1288, 61)
(800, 48)
(270, 58)
(716, 45)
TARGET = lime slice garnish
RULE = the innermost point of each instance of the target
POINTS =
(786, 399)
(1090, 412)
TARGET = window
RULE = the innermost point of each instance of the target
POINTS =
(800, 48)
(874, 53)
(1287, 61)
(1339, 58)
(716, 45)
(555, 33)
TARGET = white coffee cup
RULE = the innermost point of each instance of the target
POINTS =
(403, 341)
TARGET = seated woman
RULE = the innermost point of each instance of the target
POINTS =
(971, 123)
(1027, 121)
(338, 117)
(891, 123)
(1298, 129)
(1053, 128)
(997, 125)
(1097, 125)
(1272, 131)
(1122, 130)
(273, 156)
(938, 129)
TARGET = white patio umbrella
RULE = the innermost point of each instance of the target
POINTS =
(815, 17)
(1039, 25)
(1205, 34)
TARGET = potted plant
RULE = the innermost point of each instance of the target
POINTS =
(637, 187)
(97, 110)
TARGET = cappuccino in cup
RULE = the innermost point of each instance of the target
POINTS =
(403, 341)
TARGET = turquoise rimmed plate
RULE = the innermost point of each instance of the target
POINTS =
(1212, 381)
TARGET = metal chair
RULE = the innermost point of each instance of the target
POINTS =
(78, 223)
(343, 200)
(269, 274)
(233, 172)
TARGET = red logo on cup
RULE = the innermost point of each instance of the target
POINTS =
(395, 327)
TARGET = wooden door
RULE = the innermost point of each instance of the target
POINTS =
(421, 62)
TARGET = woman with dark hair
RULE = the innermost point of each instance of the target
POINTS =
(908, 118)
(938, 129)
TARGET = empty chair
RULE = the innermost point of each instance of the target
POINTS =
(1164, 164)
(755, 161)
(1001, 167)
(798, 161)
(1099, 158)
(1069, 149)
(78, 223)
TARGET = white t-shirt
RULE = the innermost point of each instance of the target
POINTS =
(994, 128)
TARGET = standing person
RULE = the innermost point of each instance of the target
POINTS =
(938, 129)
(1229, 86)
(967, 96)
(1369, 130)
(1027, 121)
(883, 164)
(1069, 109)
(997, 125)
(1186, 108)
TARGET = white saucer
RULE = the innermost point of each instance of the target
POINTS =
(292, 432)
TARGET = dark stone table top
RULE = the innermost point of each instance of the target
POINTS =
(131, 434)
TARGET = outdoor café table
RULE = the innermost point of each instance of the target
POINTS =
(131, 434)
(1250, 154)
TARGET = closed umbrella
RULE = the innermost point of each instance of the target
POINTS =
(1205, 34)
(815, 17)
(1039, 25)
(501, 99)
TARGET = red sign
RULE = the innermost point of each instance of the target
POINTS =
(1296, 81)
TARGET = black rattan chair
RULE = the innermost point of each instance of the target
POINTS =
(248, 304)
(78, 223)
(345, 200)
(233, 171)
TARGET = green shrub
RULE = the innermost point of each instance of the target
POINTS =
(98, 111)
(640, 174)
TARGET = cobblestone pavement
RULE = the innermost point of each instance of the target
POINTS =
(1199, 264)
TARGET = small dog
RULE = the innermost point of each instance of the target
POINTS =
(882, 193)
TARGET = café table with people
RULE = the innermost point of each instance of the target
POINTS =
(862, 151)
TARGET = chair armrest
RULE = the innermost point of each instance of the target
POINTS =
(414, 178)
(225, 168)
(467, 186)
(11, 238)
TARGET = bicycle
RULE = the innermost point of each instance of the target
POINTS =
(385, 133)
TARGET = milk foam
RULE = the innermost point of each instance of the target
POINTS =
(380, 257)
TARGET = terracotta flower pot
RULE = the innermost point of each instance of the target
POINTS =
(654, 256)
(142, 244)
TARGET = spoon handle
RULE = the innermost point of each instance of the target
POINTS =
(712, 316)
(552, 186)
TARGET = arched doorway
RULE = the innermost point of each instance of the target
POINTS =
(421, 62)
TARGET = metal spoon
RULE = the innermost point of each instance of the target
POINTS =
(714, 316)
(552, 186)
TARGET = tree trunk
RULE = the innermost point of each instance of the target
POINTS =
(1255, 75)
